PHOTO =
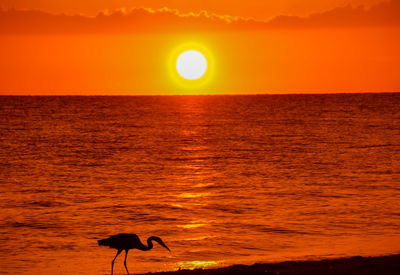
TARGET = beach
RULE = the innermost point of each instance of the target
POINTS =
(353, 265)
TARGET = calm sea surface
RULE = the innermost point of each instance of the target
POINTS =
(222, 179)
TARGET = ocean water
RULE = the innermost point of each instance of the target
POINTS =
(221, 179)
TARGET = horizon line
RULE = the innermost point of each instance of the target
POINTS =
(205, 94)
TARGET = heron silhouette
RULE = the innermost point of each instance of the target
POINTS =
(126, 242)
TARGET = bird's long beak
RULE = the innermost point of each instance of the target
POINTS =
(163, 244)
(167, 248)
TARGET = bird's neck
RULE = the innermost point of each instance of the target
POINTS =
(148, 247)
(149, 244)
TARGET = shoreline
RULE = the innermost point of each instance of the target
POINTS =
(351, 265)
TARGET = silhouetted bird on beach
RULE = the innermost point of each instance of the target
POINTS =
(126, 242)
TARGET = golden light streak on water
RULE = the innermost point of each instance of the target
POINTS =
(197, 264)
(198, 238)
(192, 225)
(193, 195)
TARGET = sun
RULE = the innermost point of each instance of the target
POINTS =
(191, 64)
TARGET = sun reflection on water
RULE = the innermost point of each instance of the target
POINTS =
(196, 264)
(193, 195)
(177, 205)
(192, 225)
(198, 238)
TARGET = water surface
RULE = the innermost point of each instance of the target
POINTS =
(222, 179)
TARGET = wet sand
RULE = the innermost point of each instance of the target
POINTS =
(355, 265)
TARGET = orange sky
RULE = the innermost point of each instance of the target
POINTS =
(337, 48)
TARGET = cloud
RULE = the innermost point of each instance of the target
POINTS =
(169, 20)
(383, 14)
(136, 20)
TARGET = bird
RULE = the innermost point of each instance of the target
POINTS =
(125, 242)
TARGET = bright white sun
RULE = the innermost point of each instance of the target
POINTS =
(191, 65)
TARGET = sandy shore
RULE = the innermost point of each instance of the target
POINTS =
(354, 265)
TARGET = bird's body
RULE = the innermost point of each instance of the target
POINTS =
(122, 241)
(126, 242)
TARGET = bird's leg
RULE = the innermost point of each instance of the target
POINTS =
(112, 263)
(126, 255)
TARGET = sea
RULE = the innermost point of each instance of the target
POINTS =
(222, 180)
